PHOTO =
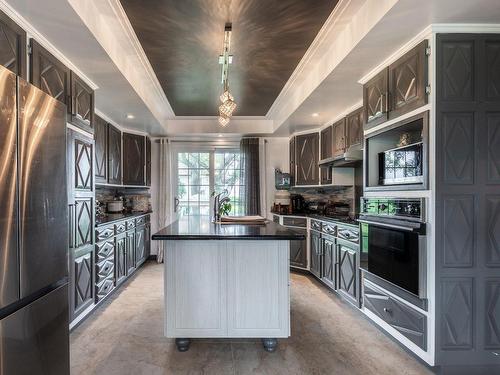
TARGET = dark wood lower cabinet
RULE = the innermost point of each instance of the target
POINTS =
(316, 249)
(81, 283)
(298, 253)
(140, 244)
(131, 251)
(348, 267)
(328, 269)
(120, 258)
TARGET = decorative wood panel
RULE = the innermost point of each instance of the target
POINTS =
(457, 71)
(458, 144)
(291, 151)
(114, 155)
(375, 99)
(49, 74)
(492, 227)
(104, 288)
(459, 245)
(339, 137)
(306, 157)
(492, 314)
(140, 244)
(457, 314)
(315, 254)
(148, 161)
(12, 46)
(82, 104)
(326, 137)
(83, 284)
(84, 222)
(328, 268)
(104, 270)
(133, 159)
(493, 139)
(104, 250)
(407, 81)
(348, 278)
(298, 252)
(120, 259)
(84, 162)
(492, 80)
(101, 149)
(354, 128)
(130, 249)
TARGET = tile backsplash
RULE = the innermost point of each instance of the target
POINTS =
(134, 199)
(337, 194)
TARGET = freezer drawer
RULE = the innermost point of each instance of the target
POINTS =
(35, 339)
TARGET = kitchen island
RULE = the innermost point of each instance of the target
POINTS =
(226, 281)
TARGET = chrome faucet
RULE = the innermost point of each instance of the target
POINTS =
(218, 202)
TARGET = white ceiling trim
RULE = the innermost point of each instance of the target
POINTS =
(109, 24)
(116, 125)
(204, 125)
(337, 41)
(33, 33)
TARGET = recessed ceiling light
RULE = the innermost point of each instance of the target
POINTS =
(130, 116)
(315, 114)
(220, 135)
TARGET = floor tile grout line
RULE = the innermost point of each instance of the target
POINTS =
(232, 358)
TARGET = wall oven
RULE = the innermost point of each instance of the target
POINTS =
(394, 243)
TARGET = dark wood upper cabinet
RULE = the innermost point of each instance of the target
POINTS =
(133, 159)
(101, 150)
(49, 74)
(82, 104)
(12, 46)
(326, 143)
(148, 161)
(114, 155)
(292, 160)
(354, 128)
(376, 99)
(408, 81)
(339, 137)
(306, 157)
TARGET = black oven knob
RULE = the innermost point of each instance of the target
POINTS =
(382, 207)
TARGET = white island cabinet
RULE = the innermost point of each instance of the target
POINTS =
(226, 281)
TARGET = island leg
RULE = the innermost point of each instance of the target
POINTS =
(270, 345)
(182, 344)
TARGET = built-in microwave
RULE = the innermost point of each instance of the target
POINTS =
(393, 242)
(396, 156)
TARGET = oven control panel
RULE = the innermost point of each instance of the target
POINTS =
(408, 208)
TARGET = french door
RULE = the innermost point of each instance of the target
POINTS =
(199, 173)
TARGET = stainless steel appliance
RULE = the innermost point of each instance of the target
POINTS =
(393, 241)
(33, 231)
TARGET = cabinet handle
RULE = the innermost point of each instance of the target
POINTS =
(388, 311)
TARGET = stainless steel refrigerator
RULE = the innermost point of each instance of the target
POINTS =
(34, 327)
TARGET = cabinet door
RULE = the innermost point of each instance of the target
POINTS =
(82, 174)
(82, 283)
(326, 175)
(348, 272)
(49, 74)
(148, 161)
(326, 143)
(82, 104)
(101, 150)
(114, 155)
(292, 160)
(12, 46)
(328, 267)
(120, 258)
(298, 251)
(133, 159)
(354, 128)
(375, 99)
(131, 252)
(408, 81)
(140, 244)
(306, 157)
(315, 245)
(339, 141)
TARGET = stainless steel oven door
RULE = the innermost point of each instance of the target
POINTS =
(396, 251)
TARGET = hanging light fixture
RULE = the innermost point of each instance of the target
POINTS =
(228, 105)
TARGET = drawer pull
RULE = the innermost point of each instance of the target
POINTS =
(388, 311)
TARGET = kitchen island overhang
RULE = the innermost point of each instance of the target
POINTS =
(226, 281)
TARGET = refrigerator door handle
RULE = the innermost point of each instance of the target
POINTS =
(71, 219)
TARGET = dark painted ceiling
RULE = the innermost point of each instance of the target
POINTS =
(183, 39)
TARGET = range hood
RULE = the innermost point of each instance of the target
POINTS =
(351, 158)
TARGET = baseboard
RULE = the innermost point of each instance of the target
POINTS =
(153, 257)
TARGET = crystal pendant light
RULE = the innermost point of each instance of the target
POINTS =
(228, 105)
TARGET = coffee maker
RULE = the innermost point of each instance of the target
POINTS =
(298, 203)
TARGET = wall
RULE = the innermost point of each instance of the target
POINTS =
(274, 155)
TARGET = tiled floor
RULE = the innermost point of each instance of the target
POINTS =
(125, 336)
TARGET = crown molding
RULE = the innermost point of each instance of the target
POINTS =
(116, 125)
(466, 28)
(32, 32)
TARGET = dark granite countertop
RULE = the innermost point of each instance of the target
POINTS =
(111, 218)
(201, 228)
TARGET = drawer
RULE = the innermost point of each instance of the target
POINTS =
(104, 250)
(103, 289)
(103, 233)
(348, 234)
(276, 219)
(329, 228)
(130, 224)
(140, 221)
(295, 221)
(104, 270)
(409, 322)
(120, 227)
(316, 225)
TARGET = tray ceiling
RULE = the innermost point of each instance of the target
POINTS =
(183, 39)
